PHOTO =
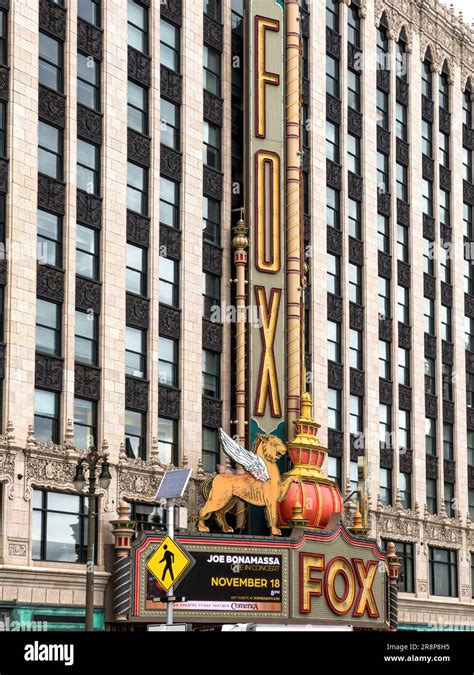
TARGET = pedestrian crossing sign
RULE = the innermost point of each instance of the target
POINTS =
(169, 563)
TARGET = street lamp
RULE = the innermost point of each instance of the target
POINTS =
(91, 459)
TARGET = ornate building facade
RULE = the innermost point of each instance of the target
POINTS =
(122, 174)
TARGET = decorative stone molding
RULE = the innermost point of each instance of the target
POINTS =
(467, 132)
(170, 322)
(50, 283)
(469, 362)
(354, 186)
(386, 458)
(427, 109)
(171, 163)
(357, 384)
(430, 346)
(4, 83)
(404, 335)
(333, 109)
(384, 203)
(335, 443)
(171, 85)
(89, 39)
(403, 274)
(404, 397)
(18, 547)
(428, 227)
(403, 152)
(356, 316)
(139, 151)
(385, 329)
(4, 175)
(333, 43)
(446, 233)
(169, 402)
(86, 382)
(171, 10)
(335, 375)
(429, 286)
(138, 480)
(212, 183)
(383, 140)
(447, 352)
(383, 80)
(438, 530)
(431, 406)
(137, 311)
(51, 106)
(356, 251)
(213, 108)
(2, 361)
(51, 194)
(139, 67)
(211, 412)
(449, 471)
(89, 209)
(444, 121)
(170, 242)
(431, 467)
(213, 33)
(88, 295)
(448, 412)
(211, 259)
(354, 122)
(356, 446)
(48, 372)
(89, 124)
(333, 175)
(52, 19)
(392, 522)
(427, 168)
(469, 305)
(212, 335)
(333, 240)
(7, 467)
(334, 311)
(138, 229)
(406, 460)
(385, 391)
(403, 212)
(136, 394)
(403, 91)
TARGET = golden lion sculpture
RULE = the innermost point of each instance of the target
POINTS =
(260, 484)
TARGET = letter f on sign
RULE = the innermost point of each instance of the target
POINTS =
(262, 25)
(309, 586)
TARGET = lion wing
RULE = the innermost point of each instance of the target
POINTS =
(249, 460)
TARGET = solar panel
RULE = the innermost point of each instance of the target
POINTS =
(173, 484)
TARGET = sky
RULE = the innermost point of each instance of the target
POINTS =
(467, 6)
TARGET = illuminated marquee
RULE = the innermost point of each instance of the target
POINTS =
(265, 182)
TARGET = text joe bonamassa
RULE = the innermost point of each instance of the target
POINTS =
(223, 582)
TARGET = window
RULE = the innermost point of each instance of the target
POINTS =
(467, 165)
(168, 362)
(449, 500)
(404, 486)
(86, 338)
(385, 360)
(334, 342)
(89, 10)
(386, 486)
(470, 450)
(382, 109)
(427, 138)
(427, 191)
(88, 172)
(404, 430)
(469, 390)
(136, 281)
(332, 142)
(384, 298)
(401, 58)
(427, 80)
(148, 517)
(135, 352)
(88, 82)
(448, 441)
(355, 283)
(402, 124)
(353, 90)
(428, 257)
(137, 107)
(48, 328)
(385, 426)
(334, 274)
(211, 368)
(402, 182)
(382, 172)
(470, 498)
(402, 243)
(444, 149)
(355, 414)
(85, 423)
(447, 378)
(332, 15)
(46, 415)
(404, 366)
(169, 277)
(353, 154)
(334, 410)
(50, 62)
(169, 45)
(212, 146)
(169, 124)
(403, 305)
(430, 436)
(353, 26)
(49, 239)
(443, 572)
(135, 434)
(383, 233)
(469, 333)
(355, 349)
(3, 129)
(50, 141)
(168, 440)
(138, 26)
(137, 198)
(333, 208)
(354, 216)
(211, 220)
(467, 108)
(210, 449)
(211, 292)
(444, 207)
(353, 476)
(429, 322)
(406, 576)
(59, 527)
(430, 379)
(212, 71)
(332, 76)
(87, 252)
(3, 38)
(169, 203)
(444, 91)
(334, 470)
(431, 496)
(213, 9)
(446, 333)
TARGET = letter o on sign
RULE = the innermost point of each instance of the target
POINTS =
(339, 569)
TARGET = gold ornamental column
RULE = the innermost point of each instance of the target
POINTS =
(240, 244)
(294, 262)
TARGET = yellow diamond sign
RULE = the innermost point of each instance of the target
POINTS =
(169, 563)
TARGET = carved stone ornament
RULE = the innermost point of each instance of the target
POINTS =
(170, 322)
(172, 10)
(137, 311)
(50, 283)
(7, 468)
(136, 394)
(139, 148)
(335, 443)
(404, 274)
(88, 295)
(384, 203)
(334, 312)
(170, 84)
(404, 335)
(430, 346)
(139, 67)
(334, 241)
(357, 384)
(48, 372)
(212, 183)
(213, 33)
(89, 209)
(447, 353)
(213, 108)
(335, 375)
(333, 175)
(211, 412)
(89, 39)
(427, 168)
(52, 19)
(428, 227)
(333, 109)
(89, 125)
(211, 259)
(333, 43)
(383, 140)
(4, 80)
(429, 286)
(354, 122)
(427, 109)
(385, 329)
(170, 242)
(354, 186)
(212, 335)
(403, 152)
(171, 163)
(403, 212)
(404, 397)
(356, 316)
(86, 382)
(138, 229)
(385, 392)
(51, 194)
(169, 402)
(18, 547)
(393, 523)
(356, 251)
(431, 406)
(51, 106)
(139, 480)
(2, 361)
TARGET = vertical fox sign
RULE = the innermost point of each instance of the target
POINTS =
(265, 215)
